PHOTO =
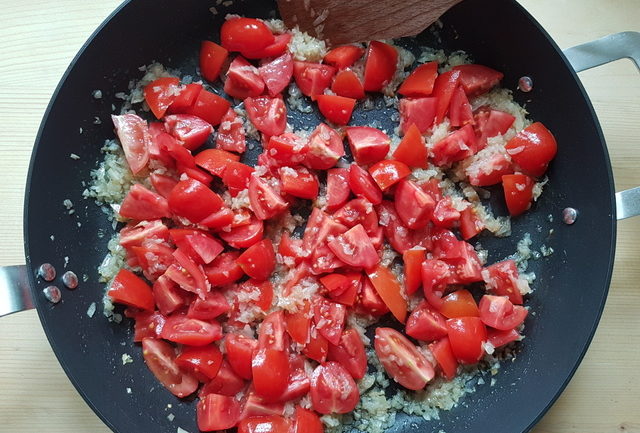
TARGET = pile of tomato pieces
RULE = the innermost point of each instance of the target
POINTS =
(206, 260)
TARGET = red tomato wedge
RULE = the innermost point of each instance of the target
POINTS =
(192, 332)
(459, 304)
(443, 90)
(268, 115)
(231, 134)
(420, 82)
(532, 149)
(185, 99)
(141, 204)
(443, 354)
(390, 291)
(217, 412)
(325, 148)
(160, 94)
(388, 172)
(350, 354)
(499, 313)
(270, 370)
(244, 236)
(210, 307)
(336, 109)
(518, 192)
(460, 109)
(368, 145)
(245, 35)
(210, 107)
(412, 150)
(193, 200)
(426, 324)
(265, 202)
(299, 182)
(337, 188)
(402, 360)
(160, 357)
(333, 389)
(212, 57)
(354, 248)
(243, 79)
(347, 84)
(414, 206)
(298, 324)
(259, 260)
(306, 421)
(380, 66)
(239, 350)
(329, 318)
(277, 48)
(129, 289)
(191, 130)
(412, 260)
(502, 279)
(478, 79)
(344, 56)
(466, 335)
(277, 73)
(501, 338)
(134, 136)
(224, 270)
(363, 185)
(420, 112)
(204, 361)
(264, 424)
(312, 78)
(226, 382)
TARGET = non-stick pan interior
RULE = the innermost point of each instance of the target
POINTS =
(569, 291)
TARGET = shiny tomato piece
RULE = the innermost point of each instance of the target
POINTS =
(426, 324)
(160, 357)
(417, 111)
(466, 335)
(533, 148)
(174, 151)
(193, 200)
(254, 405)
(414, 206)
(160, 93)
(445, 214)
(387, 286)
(420, 82)
(243, 79)
(147, 325)
(263, 289)
(319, 227)
(518, 192)
(215, 161)
(153, 257)
(223, 269)
(270, 370)
(380, 66)
(264, 424)
(336, 109)
(388, 172)
(363, 185)
(277, 48)
(259, 260)
(337, 188)
(335, 283)
(460, 109)
(129, 289)
(412, 150)
(499, 313)
(244, 236)
(265, 202)
(435, 274)
(488, 169)
(277, 73)
(268, 115)
(185, 99)
(329, 318)
(370, 301)
(325, 148)
(201, 361)
(239, 350)
(324, 260)
(287, 149)
(217, 412)
(443, 89)
(236, 177)
(470, 224)
(344, 56)
(162, 183)
(134, 136)
(350, 293)
(368, 145)
(272, 332)
(141, 204)
(412, 260)
(350, 354)
(464, 260)
(306, 421)
(135, 235)
(298, 323)
(231, 135)
(290, 250)
(358, 211)
(197, 174)
(200, 246)
(502, 338)
(489, 123)
(459, 304)
(317, 347)
(333, 389)
(347, 84)
(397, 234)
(167, 296)
(443, 354)
(354, 248)
(312, 78)
(245, 35)
(211, 306)
(192, 332)
(210, 107)
(402, 360)
(226, 382)
(212, 57)
(457, 146)
(477, 79)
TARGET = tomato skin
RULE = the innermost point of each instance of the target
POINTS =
(533, 148)
(518, 192)
(387, 286)
(363, 185)
(243, 79)
(162, 184)
(231, 134)
(277, 48)
(129, 289)
(380, 66)
(141, 204)
(264, 289)
(212, 57)
(354, 248)
(299, 182)
(499, 313)
(435, 274)
(265, 202)
(244, 236)
(402, 360)
(264, 424)
(414, 206)
(272, 332)
(268, 115)
(298, 324)
(223, 269)
(486, 170)
(160, 359)
(317, 347)
(270, 370)
(213, 305)
(132, 236)
(426, 324)
(259, 260)
(199, 245)
(459, 304)
(167, 296)
(134, 136)
(160, 94)
(329, 318)
(460, 109)
(204, 361)
(193, 332)
(245, 35)
(312, 78)
(347, 84)
(217, 412)
(185, 99)
(306, 421)
(215, 161)
(443, 90)
(489, 123)
(350, 353)
(466, 335)
(477, 79)
(388, 172)
(443, 354)
(344, 56)
(277, 73)
(417, 111)
(457, 146)
(412, 260)
(349, 295)
(420, 82)
(333, 389)
(412, 150)
(368, 145)
(336, 109)
(337, 188)
(239, 350)
(226, 382)
(470, 224)
(210, 107)
(236, 177)
(501, 338)
(325, 148)
(193, 200)
(398, 235)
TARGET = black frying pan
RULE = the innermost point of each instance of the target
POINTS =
(569, 292)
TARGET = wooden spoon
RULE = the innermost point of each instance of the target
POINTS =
(346, 21)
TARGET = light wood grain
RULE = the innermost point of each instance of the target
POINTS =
(39, 38)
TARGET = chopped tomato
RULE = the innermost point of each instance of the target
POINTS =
(518, 192)
(193, 200)
(299, 182)
(457, 146)
(470, 224)
(192, 332)
(350, 293)
(244, 236)
(147, 325)
(344, 56)
(532, 149)
(426, 324)
(245, 35)
(226, 382)
(268, 115)
(261, 293)
(485, 170)
(489, 123)
(265, 202)
(414, 206)
(325, 148)
(347, 84)
(131, 236)
(312, 78)
(501, 338)
(443, 90)
(335, 283)
(460, 109)
(185, 99)
(388, 172)
(358, 211)
(459, 304)
(336, 109)
(270, 370)
(443, 354)
(160, 357)
(435, 274)
(287, 149)
(478, 79)
(167, 296)
(153, 257)
(466, 335)
(187, 274)
(210, 307)
(200, 246)
(236, 177)
(170, 148)
(163, 184)
(398, 235)
(412, 260)
(329, 318)
(264, 424)
(224, 270)
(201, 361)
(368, 145)
(141, 204)
(445, 213)
(135, 139)
(239, 350)
(277, 73)
(231, 135)
(290, 250)
(277, 48)
(499, 313)
(212, 57)
(420, 82)
(243, 79)
(160, 93)
(369, 301)
(272, 332)
(259, 260)
(306, 421)
(333, 389)
(417, 111)
(298, 324)
(350, 353)
(412, 150)
(129, 289)
(317, 347)
(380, 66)
(217, 412)
(402, 360)
(363, 185)
(298, 384)
(390, 291)
(337, 188)
(354, 248)
(254, 405)
(210, 107)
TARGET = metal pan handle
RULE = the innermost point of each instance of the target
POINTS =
(599, 52)
(15, 294)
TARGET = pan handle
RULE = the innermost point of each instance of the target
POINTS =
(15, 294)
(599, 52)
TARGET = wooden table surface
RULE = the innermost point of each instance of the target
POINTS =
(39, 39)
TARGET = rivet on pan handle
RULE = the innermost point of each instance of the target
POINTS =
(599, 52)
(15, 294)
